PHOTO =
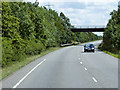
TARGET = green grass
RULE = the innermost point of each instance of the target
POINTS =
(14, 66)
(112, 54)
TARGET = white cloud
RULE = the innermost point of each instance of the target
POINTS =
(93, 14)
(84, 12)
(84, 1)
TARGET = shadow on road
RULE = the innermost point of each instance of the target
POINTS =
(96, 50)
(86, 52)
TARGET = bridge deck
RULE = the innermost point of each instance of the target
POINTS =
(87, 29)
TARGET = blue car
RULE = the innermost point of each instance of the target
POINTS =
(89, 48)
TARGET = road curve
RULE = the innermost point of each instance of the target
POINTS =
(68, 67)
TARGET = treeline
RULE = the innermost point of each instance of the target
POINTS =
(28, 29)
(111, 37)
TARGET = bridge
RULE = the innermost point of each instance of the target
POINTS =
(88, 29)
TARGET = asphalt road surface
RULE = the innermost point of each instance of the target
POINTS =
(68, 67)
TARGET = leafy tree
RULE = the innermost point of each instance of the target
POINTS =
(12, 41)
(111, 38)
(29, 29)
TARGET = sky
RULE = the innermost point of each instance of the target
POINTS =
(119, 3)
(83, 12)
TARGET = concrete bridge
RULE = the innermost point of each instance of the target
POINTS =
(88, 29)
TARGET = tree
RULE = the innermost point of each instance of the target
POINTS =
(111, 38)
(12, 41)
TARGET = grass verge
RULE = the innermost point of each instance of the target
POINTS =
(112, 54)
(14, 66)
(6, 71)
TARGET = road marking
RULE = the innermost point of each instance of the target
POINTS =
(44, 60)
(28, 74)
(79, 58)
(80, 62)
(85, 68)
(94, 79)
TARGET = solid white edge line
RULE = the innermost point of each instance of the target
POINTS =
(94, 79)
(28, 73)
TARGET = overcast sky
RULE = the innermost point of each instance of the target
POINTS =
(83, 12)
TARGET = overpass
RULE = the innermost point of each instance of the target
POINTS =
(88, 29)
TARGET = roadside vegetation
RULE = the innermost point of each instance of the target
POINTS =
(117, 55)
(11, 68)
(111, 37)
(28, 30)
(14, 66)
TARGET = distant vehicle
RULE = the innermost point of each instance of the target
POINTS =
(89, 48)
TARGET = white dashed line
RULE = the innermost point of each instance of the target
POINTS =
(28, 74)
(81, 62)
(79, 58)
(85, 68)
(94, 79)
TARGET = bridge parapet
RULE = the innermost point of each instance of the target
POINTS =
(91, 26)
(99, 28)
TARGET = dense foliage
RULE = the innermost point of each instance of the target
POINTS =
(29, 29)
(111, 38)
(0, 32)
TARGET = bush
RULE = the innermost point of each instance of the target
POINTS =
(34, 47)
(29, 29)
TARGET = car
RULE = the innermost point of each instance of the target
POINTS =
(89, 48)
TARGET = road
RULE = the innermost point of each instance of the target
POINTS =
(68, 67)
